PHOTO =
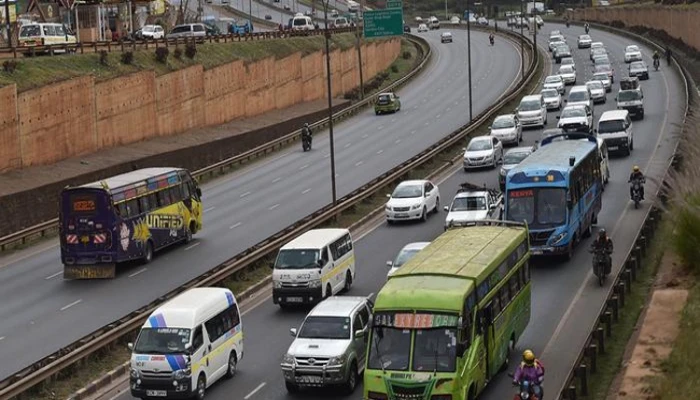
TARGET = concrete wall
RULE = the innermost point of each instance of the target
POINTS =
(677, 22)
(80, 116)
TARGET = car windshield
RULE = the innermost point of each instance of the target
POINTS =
(472, 203)
(601, 60)
(611, 126)
(553, 79)
(596, 45)
(629, 95)
(502, 123)
(566, 69)
(632, 48)
(325, 328)
(602, 68)
(567, 61)
(407, 192)
(601, 77)
(530, 105)
(548, 93)
(389, 349)
(404, 256)
(162, 341)
(637, 65)
(515, 157)
(297, 258)
(577, 96)
(479, 145)
(584, 37)
(383, 99)
(435, 350)
(149, 28)
(594, 85)
(573, 113)
(539, 207)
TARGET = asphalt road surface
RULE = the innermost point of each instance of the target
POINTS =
(566, 298)
(42, 313)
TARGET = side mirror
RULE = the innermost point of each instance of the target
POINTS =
(188, 348)
(322, 262)
(389, 264)
(359, 333)
(272, 265)
(492, 207)
(615, 98)
(558, 117)
(199, 192)
(446, 208)
(595, 130)
(130, 346)
(566, 101)
(426, 195)
(293, 332)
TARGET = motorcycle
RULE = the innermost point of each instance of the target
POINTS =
(587, 29)
(567, 24)
(306, 142)
(491, 40)
(601, 265)
(527, 390)
(656, 64)
(637, 192)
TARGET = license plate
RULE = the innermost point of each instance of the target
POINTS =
(401, 215)
(295, 299)
(612, 148)
(536, 252)
(309, 379)
(156, 393)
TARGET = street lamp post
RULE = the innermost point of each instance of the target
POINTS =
(358, 33)
(250, 14)
(327, 36)
(469, 54)
(522, 40)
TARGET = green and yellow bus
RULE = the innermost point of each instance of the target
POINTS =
(445, 322)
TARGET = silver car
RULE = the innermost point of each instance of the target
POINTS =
(330, 346)
(552, 98)
(639, 69)
(507, 129)
(584, 41)
(597, 91)
(554, 82)
(187, 30)
(605, 79)
(568, 74)
(512, 158)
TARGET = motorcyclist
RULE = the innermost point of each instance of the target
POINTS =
(306, 133)
(491, 38)
(602, 242)
(532, 370)
(637, 175)
(656, 57)
(587, 27)
(668, 55)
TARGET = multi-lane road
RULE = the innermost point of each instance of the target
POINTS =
(566, 298)
(42, 313)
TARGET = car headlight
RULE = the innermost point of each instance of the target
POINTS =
(416, 206)
(504, 172)
(288, 359)
(524, 395)
(334, 361)
(315, 283)
(135, 373)
(276, 284)
(182, 374)
(387, 208)
(559, 238)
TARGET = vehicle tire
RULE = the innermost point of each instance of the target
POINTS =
(291, 388)
(601, 279)
(570, 250)
(509, 351)
(376, 112)
(201, 388)
(466, 170)
(348, 282)
(641, 115)
(148, 252)
(329, 291)
(188, 233)
(631, 145)
(589, 229)
(424, 216)
(232, 366)
(351, 383)
(389, 222)
(437, 205)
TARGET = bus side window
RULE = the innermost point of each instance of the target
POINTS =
(164, 198)
(122, 210)
(132, 207)
(197, 339)
(153, 200)
(145, 206)
(514, 285)
(525, 273)
(505, 295)
(185, 191)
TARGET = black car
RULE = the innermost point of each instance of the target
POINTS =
(406, 29)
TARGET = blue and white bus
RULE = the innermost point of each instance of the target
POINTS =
(557, 190)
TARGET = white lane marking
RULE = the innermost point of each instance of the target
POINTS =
(464, 97)
(192, 246)
(393, 120)
(236, 225)
(306, 191)
(380, 127)
(438, 116)
(380, 152)
(2, 338)
(326, 156)
(357, 164)
(415, 107)
(244, 194)
(427, 123)
(365, 136)
(54, 275)
(209, 209)
(397, 141)
(274, 206)
(303, 167)
(138, 272)
(64, 308)
(276, 180)
(413, 132)
(448, 109)
(347, 145)
(249, 395)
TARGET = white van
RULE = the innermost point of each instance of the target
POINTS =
(615, 128)
(187, 344)
(532, 111)
(316, 265)
(434, 23)
(580, 94)
(44, 34)
(301, 22)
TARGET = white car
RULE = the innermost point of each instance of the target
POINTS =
(632, 53)
(555, 32)
(578, 118)
(507, 129)
(454, 20)
(446, 37)
(605, 79)
(552, 98)
(568, 61)
(483, 151)
(412, 200)
(472, 205)
(406, 253)
(598, 53)
(597, 91)
(584, 41)
(568, 74)
(151, 32)
(554, 43)
(482, 21)
(554, 82)
(423, 28)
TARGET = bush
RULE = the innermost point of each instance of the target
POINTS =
(394, 68)
(104, 57)
(190, 50)
(407, 55)
(128, 57)
(162, 54)
(9, 66)
(177, 53)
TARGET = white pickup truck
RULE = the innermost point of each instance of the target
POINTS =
(474, 203)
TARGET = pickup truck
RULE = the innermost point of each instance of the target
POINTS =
(474, 203)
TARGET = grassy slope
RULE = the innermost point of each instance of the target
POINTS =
(38, 71)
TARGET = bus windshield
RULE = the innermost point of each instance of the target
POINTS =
(162, 341)
(540, 207)
(434, 350)
(297, 259)
(390, 349)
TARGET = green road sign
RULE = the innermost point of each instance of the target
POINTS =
(394, 4)
(381, 23)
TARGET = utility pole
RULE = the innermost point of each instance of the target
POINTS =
(358, 33)
(469, 54)
(8, 24)
(327, 35)
(522, 40)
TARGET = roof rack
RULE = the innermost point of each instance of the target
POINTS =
(486, 222)
(470, 187)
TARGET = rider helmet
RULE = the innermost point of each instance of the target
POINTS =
(602, 233)
(306, 124)
(529, 357)
(635, 169)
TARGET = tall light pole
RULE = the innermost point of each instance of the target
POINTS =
(522, 40)
(358, 33)
(469, 54)
(327, 35)
(250, 14)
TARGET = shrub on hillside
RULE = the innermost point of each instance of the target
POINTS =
(177, 53)
(162, 54)
(104, 57)
(128, 57)
(190, 50)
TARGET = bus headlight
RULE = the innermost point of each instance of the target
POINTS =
(340, 360)
(558, 238)
(135, 373)
(315, 283)
(276, 284)
(182, 374)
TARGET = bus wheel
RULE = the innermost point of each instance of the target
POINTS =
(348, 281)
(589, 229)
(329, 291)
(189, 232)
(471, 395)
(201, 388)
(148, 253)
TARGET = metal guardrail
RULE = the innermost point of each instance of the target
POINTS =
(51, 365)
(126, 45)
(594, 345)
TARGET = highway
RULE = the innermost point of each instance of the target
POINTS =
(241, 209)
(566, 298)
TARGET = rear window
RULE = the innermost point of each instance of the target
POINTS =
(299, 22)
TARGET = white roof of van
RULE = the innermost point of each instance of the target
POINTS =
(182, 310)
(337, 306)
(613, 114)
(315, 237)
